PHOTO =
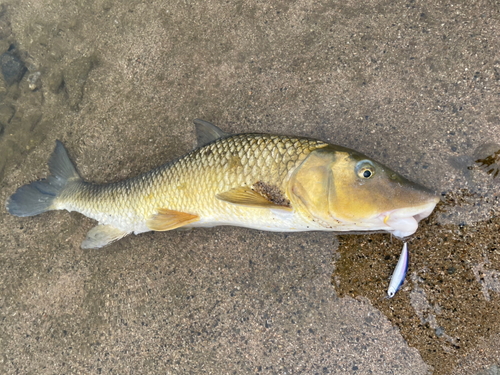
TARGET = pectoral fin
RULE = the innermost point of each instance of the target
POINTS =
(170, 219)
(102, 235)
(259, 195)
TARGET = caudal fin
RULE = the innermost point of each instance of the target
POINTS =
(37, 197)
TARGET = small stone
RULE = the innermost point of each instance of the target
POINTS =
(439, 331)
(13, 69)
(14, 92)
(55, 81)
(34, 81)
(5, 26)
(493, 370)
(75, 76)
(3, 89)
(6, 114)
(4, 45)
(107, 5)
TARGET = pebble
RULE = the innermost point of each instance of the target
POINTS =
(12, 68)
(6, 114)
(34, 81)
(54, 81)
(493, 370)
(75, 76)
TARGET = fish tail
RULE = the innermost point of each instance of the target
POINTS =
(39, 196)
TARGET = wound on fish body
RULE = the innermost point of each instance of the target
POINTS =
(260, 181)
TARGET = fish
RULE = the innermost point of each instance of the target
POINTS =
(261, 181)
(399, 274)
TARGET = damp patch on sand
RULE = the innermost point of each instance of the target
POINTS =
(450, 300)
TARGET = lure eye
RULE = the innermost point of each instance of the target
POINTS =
(365, 169)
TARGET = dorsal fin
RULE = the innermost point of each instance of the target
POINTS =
(207, 133)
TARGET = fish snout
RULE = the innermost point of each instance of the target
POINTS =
(403, 222)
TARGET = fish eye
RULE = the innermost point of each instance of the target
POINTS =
(365, 169)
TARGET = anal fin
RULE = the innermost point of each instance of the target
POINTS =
(102, 235)
(169, 219)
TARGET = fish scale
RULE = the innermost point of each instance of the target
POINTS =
(260, 181)
(190, 183)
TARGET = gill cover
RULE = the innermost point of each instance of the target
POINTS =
(337, 185)
(310, 186)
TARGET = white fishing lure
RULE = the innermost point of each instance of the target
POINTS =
(399, 273)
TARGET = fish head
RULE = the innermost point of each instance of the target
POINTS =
(344, 190)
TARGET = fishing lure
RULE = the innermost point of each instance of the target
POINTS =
(399, 273)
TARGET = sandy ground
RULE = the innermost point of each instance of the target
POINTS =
(413, 84)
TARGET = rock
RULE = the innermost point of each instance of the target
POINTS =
(4, 45)
(55, 81)
(13, 69)
(75, 75)
(34, 81)
(9, 151)
(493, 370)
(5, 27)
(13, 93)
(6, 114)
(3, 89)
(2, 165)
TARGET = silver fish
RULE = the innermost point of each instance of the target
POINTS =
(399, 274)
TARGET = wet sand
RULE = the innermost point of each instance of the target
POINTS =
(450, 299)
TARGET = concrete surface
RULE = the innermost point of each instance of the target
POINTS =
(412, 84)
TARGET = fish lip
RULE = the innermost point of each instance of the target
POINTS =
(417, 213)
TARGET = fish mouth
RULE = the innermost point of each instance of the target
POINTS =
(403, 222)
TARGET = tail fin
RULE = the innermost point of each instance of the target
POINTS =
(37, 197)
